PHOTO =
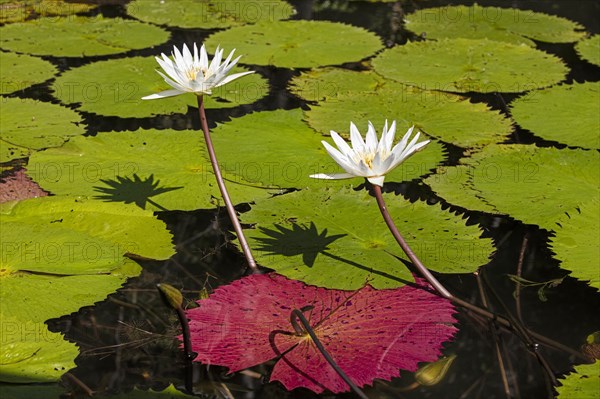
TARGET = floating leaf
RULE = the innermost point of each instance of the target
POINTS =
(556, 181)
(208, 14)
(32, 391)
(294, 152)
(71, 250)
(33, 125)
(298, 44)
(566, 113)
(324, 84)
(577, 242)
(20, 71)
(511, 25)
(116, 88)
(248, 322)
(336, 238)
(452, 183)
(447, 117)
(31, 353)
(19, 186)
(16, 11)
(80, 36)
(466, 65)
(589, 49)
(581, 384)
(154, 169)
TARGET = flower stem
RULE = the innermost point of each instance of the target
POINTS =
(297, 313)
(439, 287)
(221, 183)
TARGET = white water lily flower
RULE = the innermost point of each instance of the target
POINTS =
(370, 159)
(193, 74)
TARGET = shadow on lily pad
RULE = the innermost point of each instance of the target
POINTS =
(133, 190)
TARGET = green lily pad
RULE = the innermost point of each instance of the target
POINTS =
(59, 254)
(209, 14)
(17, 11)
(577, 242)
(10, 151)
(581, 384)
(30, 353)
(33, 125)
(154, 169)
(452, 183)
(589, 49)
(447, 117)
(502, 24)
(566, 113)
(298, 44)
(116, 88)
(324, 84)
(275, 148)
(32, 391)
(80, 36)
(556, 181)
(336, 238)
(20, 71)
(467, 65)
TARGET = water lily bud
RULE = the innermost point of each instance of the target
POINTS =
(172, 295)
(433, 373)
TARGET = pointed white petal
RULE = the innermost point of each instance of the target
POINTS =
(341, 143)
(163, 94)
(371, 142)
(356, 139)
(389, 137)
(398, 148)
(332, 176)
(340, 158)
(203, 57)
(233, 77)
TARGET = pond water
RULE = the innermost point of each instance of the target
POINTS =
(128, 341)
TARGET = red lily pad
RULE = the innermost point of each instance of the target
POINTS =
(369, 333)
(18, 187)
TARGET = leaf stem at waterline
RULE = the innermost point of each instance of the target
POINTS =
(306, 327)
(221, 183)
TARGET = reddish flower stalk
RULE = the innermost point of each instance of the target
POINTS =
(221, 183)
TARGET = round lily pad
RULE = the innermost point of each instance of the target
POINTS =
(336, 238)
(511, 25)
(556, 181)
(59, 254)
(116, 88)
(467, 65)
(17, 11)
(566, 113)
(582, 383)
(589, 49)
(208, 14)
(322, 84)
(20, 71)
(577, 242)
(447, 117)
(298, 44)
(275, 148)
(453, 184)
(153, 169)
(31, 354)
(33, 125)
(80, 36)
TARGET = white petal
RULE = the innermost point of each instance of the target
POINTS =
(203, 57)
(332, 176)
(377, 180)
(341, 143)
(233, 77)
(163, 94)
(389, 136)
(357, 141)
(187, 56)
(340, 158)
(398, 148)
(371, 141)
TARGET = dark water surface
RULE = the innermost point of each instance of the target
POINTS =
(128, 340)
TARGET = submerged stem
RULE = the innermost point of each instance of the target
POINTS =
(326, 355)
(221, 183)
